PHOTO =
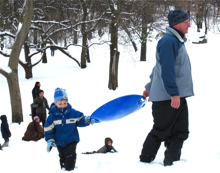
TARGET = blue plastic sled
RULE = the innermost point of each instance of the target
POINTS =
(118, 108)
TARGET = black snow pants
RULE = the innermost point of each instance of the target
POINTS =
(171, 126)
(68, 156)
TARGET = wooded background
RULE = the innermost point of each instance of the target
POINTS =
(59, 24)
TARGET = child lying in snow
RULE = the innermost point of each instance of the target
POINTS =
(106, 148)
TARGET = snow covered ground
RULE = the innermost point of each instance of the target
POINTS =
(87, 89)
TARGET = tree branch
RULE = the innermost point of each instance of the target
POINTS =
(4, 54)
(4, 73)
(7, 34)
(37, 61)
(102, 42)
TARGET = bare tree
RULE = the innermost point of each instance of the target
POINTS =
(12, 76)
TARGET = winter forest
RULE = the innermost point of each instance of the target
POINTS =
(104, 49)
(61, 24)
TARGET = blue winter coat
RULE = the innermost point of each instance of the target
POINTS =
(5, 128)
(61, 125)
(171, 75)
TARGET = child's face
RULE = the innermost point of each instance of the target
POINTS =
(109, 143)
(61, 103)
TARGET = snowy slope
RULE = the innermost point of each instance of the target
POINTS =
(87, 90)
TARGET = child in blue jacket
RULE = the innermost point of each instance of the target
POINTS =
(61, 128)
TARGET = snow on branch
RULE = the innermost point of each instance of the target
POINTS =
(100, 43)
(6, 33)
(19, 28)
(5, 70)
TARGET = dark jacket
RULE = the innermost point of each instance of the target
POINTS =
(41, 105)
(34, 132)
(35, 92)
(61, 125)
(5, 128)
(106, 148)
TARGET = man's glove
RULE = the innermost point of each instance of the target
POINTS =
(88, 120)
(50, 144)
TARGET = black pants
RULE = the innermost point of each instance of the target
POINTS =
(68, 156)
(171, 126)
(42, 117)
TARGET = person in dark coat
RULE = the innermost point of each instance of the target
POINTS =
(106, 148)
(34, 131)
(35, 90)
(52, 50)
(6, 134)
(2, 46)
(41, 105)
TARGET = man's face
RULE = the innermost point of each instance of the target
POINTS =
(183, 26)
(41, 94)
(61, 103)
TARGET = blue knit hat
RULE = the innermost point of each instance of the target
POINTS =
(177, 16)
(60, 94)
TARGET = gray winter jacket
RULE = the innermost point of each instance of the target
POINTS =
(171, 76)
(104, 149)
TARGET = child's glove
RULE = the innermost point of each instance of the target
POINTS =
(50, 144)
(88, 120)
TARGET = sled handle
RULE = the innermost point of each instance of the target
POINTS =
(142, 102)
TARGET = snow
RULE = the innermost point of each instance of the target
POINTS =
(6, 69)
(19, 28)
(87, 89)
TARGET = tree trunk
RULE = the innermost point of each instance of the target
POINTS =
(14, 90)
(28, 65)
(83, 53)
(26, 51)
(75, 39)
(144, 36)
(12, 78)
(114, 70)
(114, 54)
(44, 57)
(54, 38)
(87, 54)
(84, 34)
(143, 51)
(35, 37)
(65, 42)
(28, 71)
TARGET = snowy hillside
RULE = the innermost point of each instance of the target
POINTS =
(87, 89)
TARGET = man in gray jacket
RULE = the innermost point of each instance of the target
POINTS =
(171, 82)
